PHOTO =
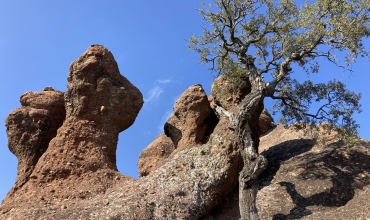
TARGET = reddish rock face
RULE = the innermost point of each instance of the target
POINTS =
(31, 127)
(155, 154)
(80, 158)
(188, 169)
(193, 122)
(100, 103)
(226, 97)
(193, 119)
(265, 121)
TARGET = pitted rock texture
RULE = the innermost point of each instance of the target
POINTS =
(80, 161)
(308, 180)
(190, 125)
(265, 121)
(228, 97)
(186, 187)
(98, 92)
(76, 178)
(154, 155)
(185, 120)
(225, 95)
(193, 119)
(31, 127)
(100, 103)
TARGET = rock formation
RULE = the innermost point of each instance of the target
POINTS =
(225, 95)
(308, 180)
(79, 160)
(66, 148)
(155, 155)
(192, 120)
(76, 177)
(31, 127)
(192, 123)
(265, 121)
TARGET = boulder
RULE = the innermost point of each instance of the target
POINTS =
(265, 121)
(226, 95)
(30, 129)
(192, 120)
(154, 155)
(80, 161)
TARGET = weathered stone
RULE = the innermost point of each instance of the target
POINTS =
(188, 174)
(225, 96)
(154, 155)
(31, 127)
(193, 119)
(303, 180)
(80, 161)
(265, 121)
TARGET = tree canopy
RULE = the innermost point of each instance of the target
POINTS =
(281, 37)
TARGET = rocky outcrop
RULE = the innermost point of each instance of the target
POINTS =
(226, 95)
(265, 121)
(76, 177)
(193, 119)
(189, 172)
(31, 127)
(308, 180)
(80, 161)
(193, 122)
(190, 125)
(100, 103)
(155, 155)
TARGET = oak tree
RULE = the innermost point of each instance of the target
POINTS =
(273, 38)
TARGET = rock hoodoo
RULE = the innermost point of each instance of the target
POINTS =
(100, 103)
(31, 127)
(78, 160)
(193, 119)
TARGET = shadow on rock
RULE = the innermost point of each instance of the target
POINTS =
(282, 152)
(174, 133)
(343, 166)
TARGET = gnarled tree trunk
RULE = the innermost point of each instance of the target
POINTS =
(245, 124)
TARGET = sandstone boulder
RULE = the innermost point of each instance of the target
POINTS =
(226, 95)
(265, 121)
(154, 155)
(30, 129)
(193, 119)
(80, 161)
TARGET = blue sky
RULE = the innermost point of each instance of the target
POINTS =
(40, 39)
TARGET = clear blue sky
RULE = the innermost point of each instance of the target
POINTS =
(40, 39)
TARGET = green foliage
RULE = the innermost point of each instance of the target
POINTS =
(278, 29)
(337, 104)
(280, 33)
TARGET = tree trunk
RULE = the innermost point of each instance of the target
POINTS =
(245, 124)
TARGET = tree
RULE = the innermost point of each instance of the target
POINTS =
(270, 37)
